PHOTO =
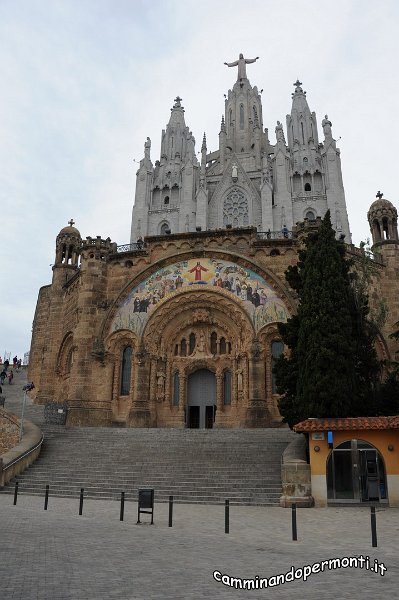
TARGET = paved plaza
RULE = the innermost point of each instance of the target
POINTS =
(59, 555)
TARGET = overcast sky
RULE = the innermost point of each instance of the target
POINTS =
(84, 82)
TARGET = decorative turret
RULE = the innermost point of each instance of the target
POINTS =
(383, 220)
(68, 246)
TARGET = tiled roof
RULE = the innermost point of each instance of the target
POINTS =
(347, 424)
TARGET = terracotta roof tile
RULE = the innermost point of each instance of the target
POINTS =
(347, 423)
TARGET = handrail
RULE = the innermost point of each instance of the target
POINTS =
(16, 460)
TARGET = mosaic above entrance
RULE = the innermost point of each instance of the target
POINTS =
(258, 298)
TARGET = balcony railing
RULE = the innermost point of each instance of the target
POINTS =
(274, 235)
(135, 247)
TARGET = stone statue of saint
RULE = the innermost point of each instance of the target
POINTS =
(326, 124)
(234, 172)
(280, 132)
(160, 383)
(242, 65)
(147, 148)
(239, 380)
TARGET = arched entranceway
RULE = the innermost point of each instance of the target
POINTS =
(201, 399)
(356, 473)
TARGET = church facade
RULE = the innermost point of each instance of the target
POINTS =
(179, 328)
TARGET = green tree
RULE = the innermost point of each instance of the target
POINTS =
(332, 370)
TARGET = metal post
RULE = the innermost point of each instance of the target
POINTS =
(373, 527)
(122, 506)
(227, 516)
(16, 493)
(81, 501)
(22, 416)
(46, 497)
(170, 510)
(294, 530)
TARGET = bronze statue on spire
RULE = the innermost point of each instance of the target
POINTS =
(242, 65)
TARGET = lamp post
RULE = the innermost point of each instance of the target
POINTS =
(27, 388)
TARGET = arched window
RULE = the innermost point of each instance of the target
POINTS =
(176, 388)
(183, 347)
(308, 187)
(303, 134)
(166, 200)
(277, 350)
(126, 369)
(69, 361)
(241, 116)
(310, 215)
(231, 117)
(226, 387)
(191, 343)
(213, 342)
(222, 345)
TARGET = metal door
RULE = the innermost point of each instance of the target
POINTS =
(201, 393)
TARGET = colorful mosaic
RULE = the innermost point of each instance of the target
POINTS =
(258, 297)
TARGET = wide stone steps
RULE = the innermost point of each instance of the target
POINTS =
(202, 466)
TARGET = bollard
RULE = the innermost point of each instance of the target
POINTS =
(294, 530)
(81, 501)
(170, 510)
(16, 493)
(122, 506)
(46, 497)
(373, 527)
(227, 516)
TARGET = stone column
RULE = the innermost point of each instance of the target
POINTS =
(257, 414)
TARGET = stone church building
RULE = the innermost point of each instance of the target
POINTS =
(179, 327)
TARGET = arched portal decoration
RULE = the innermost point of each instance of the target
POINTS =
(257, 297)
(64, 365)
(210, 316)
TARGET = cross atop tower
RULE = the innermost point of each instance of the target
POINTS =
(177, 102)
(297, 85)
(379, 195)
(71, 222)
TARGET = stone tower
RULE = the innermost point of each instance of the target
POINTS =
(165, 194)
(247, 180)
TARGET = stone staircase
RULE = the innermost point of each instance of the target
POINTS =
(195, 466)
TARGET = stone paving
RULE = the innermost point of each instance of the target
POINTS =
(59, 555)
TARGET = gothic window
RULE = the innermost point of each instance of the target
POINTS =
(303, 134)
(226, 387)
(222, 345)
(308, 187)
(235, 209)
(183, 348)
(166, 200)
(213, 343)
(241, 116)
(191, 343)
(176, 388)
(255, 113)
(310, 215)
(126, 369)
(277, 350)
(231, 117)
(305, 162)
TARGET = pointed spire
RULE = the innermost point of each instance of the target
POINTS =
(203, 147)
(222, 125)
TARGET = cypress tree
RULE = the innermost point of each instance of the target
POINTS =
(332, 366)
